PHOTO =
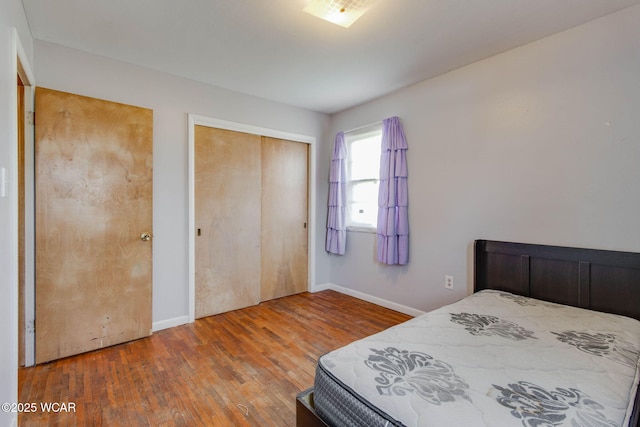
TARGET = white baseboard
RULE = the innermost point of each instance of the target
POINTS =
(369, 298)
(183, 320)
(169, 323)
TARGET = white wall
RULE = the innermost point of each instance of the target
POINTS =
(171, 98)
(539, 144)
(11, 16)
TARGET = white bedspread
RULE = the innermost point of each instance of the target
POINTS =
(496, 359)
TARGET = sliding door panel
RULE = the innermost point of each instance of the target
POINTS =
(227, 217)
(284, 218)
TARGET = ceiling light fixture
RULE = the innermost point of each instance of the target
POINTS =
(341, 12)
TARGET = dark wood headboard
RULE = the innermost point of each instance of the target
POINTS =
(599, 280)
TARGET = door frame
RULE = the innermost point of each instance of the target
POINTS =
(196, 120)
(23, 69)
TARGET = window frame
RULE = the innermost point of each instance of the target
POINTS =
(350, 138)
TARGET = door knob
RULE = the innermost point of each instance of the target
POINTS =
(145, 236)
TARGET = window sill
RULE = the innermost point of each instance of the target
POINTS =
(362, 229)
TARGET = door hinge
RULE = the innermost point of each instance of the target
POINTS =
(30, 326)
(31, 118)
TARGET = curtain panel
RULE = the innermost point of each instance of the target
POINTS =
(336, 218)
(393, 200)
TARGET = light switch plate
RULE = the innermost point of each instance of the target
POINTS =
(3, 182)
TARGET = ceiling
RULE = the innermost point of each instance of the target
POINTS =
(273, 50)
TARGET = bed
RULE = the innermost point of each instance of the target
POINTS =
(551, 336)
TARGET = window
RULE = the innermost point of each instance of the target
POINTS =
(363, 176)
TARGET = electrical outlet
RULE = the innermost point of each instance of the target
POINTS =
(448, 282)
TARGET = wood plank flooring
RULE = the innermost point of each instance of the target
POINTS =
(242, 368)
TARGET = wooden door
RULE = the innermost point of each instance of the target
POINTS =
(93, 203)
(227, 217)
(284, 218)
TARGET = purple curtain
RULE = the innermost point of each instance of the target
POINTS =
(393, 215)
(336, 228)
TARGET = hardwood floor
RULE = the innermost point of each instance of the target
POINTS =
(242, 368)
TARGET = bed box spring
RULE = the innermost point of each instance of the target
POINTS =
(341, 406)
(492, 359)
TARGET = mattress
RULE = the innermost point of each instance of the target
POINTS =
(491, 359)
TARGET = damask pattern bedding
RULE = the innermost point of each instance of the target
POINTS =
(491, 359)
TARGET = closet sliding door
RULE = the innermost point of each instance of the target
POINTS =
(227, 214)
(251, 202)
(284, 218)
